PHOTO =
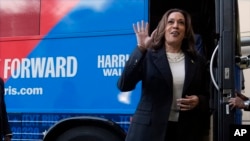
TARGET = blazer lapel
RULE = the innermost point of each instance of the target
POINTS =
(190, 67)
(161, 63)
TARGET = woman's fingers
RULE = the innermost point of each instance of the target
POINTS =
(140, 27)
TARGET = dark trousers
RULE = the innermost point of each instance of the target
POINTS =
(176, 132)
(172, 133)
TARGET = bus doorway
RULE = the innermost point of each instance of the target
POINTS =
(218, 25)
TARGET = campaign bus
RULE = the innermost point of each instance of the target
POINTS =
(61, 59)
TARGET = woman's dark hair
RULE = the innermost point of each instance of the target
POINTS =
(188, 43)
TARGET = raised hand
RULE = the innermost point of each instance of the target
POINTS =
(141, 31)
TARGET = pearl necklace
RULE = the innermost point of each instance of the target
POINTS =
(175, 57)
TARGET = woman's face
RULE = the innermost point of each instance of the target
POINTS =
(175, 29)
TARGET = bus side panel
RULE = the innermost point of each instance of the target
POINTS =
(69, 60)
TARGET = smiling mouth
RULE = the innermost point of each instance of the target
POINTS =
(175, 33)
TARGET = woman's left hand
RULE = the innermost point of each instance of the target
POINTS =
(188, 103)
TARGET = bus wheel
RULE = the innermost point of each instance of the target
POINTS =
(88, 133)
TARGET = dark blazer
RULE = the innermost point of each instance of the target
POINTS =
(4, 123)
(150, 119)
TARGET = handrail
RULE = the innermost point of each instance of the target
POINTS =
(211, 68)
(245, 41)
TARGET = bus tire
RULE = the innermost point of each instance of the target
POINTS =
(88, 133)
